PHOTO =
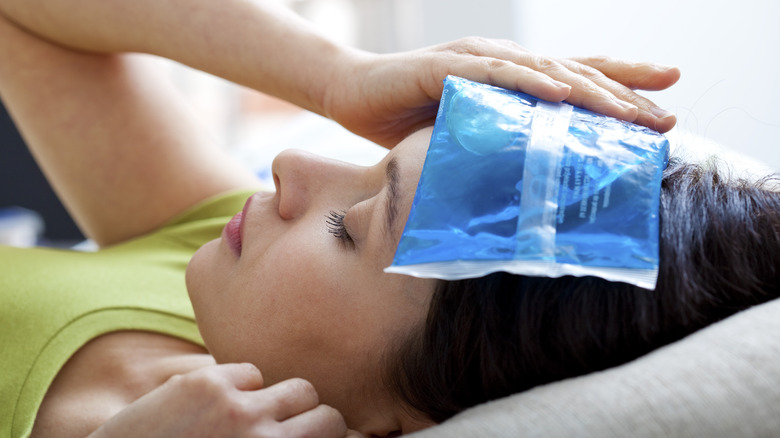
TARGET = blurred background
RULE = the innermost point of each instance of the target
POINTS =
(727, 52)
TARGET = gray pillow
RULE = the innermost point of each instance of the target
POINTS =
(723, 381)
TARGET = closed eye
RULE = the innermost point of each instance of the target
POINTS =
(335, 223)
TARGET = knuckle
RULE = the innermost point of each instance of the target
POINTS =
(239, 413)
(582, 68)
(590, 88)
(202, 385)
(508, 43)
(492, 68)
(546, 64)
(469, 44)
(599, 61)
(199, 380)
(495, 64)
(175, 380)
(473, 40)
(589, 71)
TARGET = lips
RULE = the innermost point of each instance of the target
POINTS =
(233, 231)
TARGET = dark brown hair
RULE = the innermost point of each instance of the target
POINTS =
(493, 336)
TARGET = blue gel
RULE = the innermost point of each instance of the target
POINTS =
(473, 118)
(504, 189)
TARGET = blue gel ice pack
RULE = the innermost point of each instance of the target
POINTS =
(517, 184)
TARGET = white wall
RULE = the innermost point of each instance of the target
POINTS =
(728, 51)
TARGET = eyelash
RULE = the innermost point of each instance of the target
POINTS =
(335, 223)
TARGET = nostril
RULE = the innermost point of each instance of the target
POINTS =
(392, 434)
(278, 197)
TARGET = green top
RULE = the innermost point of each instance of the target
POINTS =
(52, 302)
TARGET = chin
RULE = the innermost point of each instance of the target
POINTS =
(195, 274)
(196, 278)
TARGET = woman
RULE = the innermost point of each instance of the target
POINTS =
(293, 286)
(490, 337)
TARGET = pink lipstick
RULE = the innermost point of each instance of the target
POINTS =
(233, 232)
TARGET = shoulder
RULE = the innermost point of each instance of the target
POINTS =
(108, 374)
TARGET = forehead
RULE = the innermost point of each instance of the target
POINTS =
(406, 161)
(409, 157)
(410, 152)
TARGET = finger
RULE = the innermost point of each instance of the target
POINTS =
(584, 92)
(288, 398)
(243, 376)
(581, 90)
(592, 95)
(507, 74)
(636, 75)
(501, 63)
(649, 114)
(324, 420)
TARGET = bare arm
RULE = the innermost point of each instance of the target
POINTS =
(125, 155)
(257, 43)
(261, 44)
(115, 140)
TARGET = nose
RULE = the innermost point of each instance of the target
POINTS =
(304, 180)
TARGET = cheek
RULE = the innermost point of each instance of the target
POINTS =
(221, 298)
(298, 277)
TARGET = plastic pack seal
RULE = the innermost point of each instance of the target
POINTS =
(517, 184)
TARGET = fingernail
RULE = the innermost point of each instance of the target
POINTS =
(664, 67)
(661, 113)
(560, 84)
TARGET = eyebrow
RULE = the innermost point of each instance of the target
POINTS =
(393, 195)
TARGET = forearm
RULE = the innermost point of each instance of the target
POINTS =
(259, 43)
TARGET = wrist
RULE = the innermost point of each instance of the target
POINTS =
(329, 63)
(346, 74)
(344, 67)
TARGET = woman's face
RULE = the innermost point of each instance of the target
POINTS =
(304, 297)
